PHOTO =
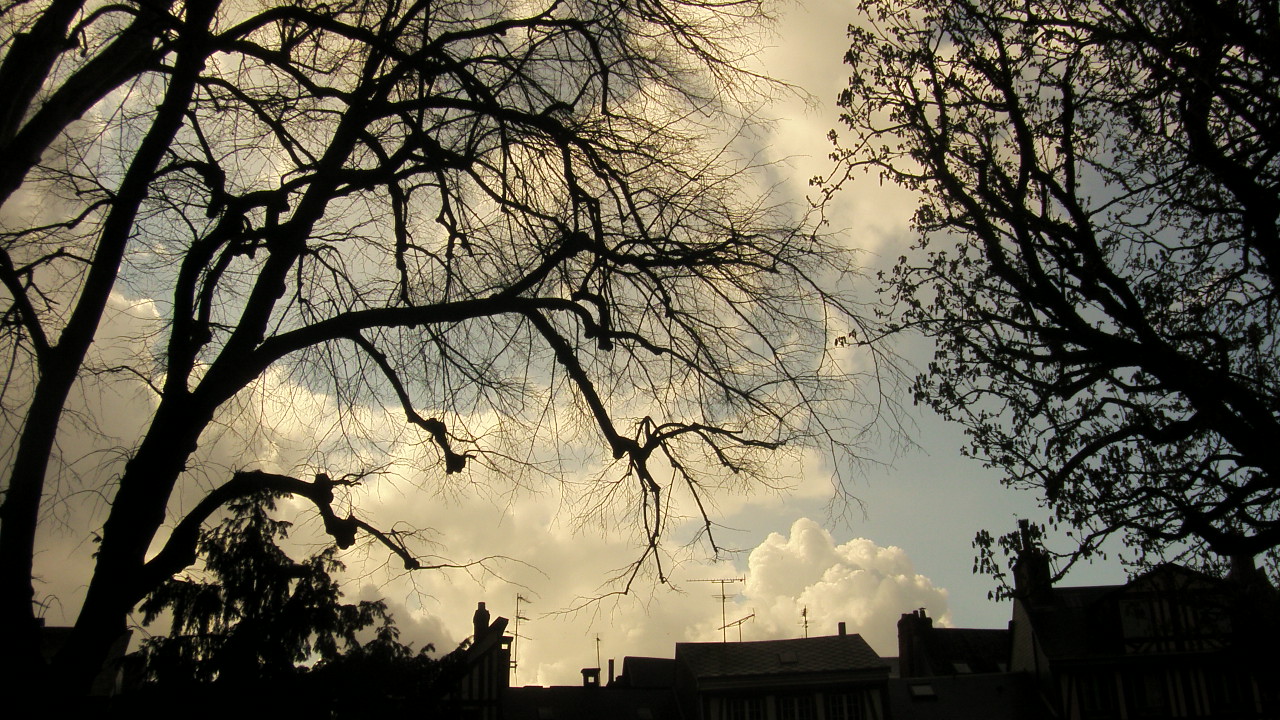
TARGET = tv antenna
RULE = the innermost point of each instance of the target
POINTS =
(515, 638)
(738, 624)
(804, 620)
(724, 630)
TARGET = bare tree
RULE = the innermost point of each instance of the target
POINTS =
(461, 208)
(1097, 255)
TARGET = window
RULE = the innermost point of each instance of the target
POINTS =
(922, 691)
(797, 706)
(855, 705)
(1147, 693)
(1230, 691)
(1140, 618)
(840, 707)
(742, 708)
(1173, 621)
(1096, 694)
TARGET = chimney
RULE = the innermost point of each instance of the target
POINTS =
(911, 629)
(842, 629)
(591, 677)
(1031, 575)
(610, 671)
(480, 622)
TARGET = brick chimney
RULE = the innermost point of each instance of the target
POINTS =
(913, 661)
(1032, 578)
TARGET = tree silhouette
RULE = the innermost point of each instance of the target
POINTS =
(1097, 256)
(249, 619)
(508, 219)
(255, 614)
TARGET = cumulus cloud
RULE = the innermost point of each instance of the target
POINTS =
(860, 583)
(808, 53)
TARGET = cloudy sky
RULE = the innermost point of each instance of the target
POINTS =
(908, 548)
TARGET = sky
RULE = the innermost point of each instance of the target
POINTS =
(906, 547)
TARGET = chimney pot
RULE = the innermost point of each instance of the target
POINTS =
(842, 628)
(480, 622)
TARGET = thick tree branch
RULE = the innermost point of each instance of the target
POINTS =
(179, 552)
(453, 461)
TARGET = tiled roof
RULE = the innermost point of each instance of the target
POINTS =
(997, 696)
(964, 650)
(835, 653)
(647, 672)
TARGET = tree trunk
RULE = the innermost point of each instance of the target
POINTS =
(137, 513)
(19, 516)
(58, 368)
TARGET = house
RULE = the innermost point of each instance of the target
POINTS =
(644, 691)
(479, 684)
(956, 674)
(837, 677)
(986, 696)
(1172, 642)
(925, 651)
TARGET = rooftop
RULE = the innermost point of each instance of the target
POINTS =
(833, 653)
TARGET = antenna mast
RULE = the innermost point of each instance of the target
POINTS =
(738, 624)
(515, 639)
(724, 634)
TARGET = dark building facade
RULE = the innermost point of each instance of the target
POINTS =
(837, 677)
(479, 690)
(1171, 643)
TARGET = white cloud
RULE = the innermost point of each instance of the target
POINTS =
(808, 52)
(858, 582)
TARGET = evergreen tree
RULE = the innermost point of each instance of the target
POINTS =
(257, 615)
